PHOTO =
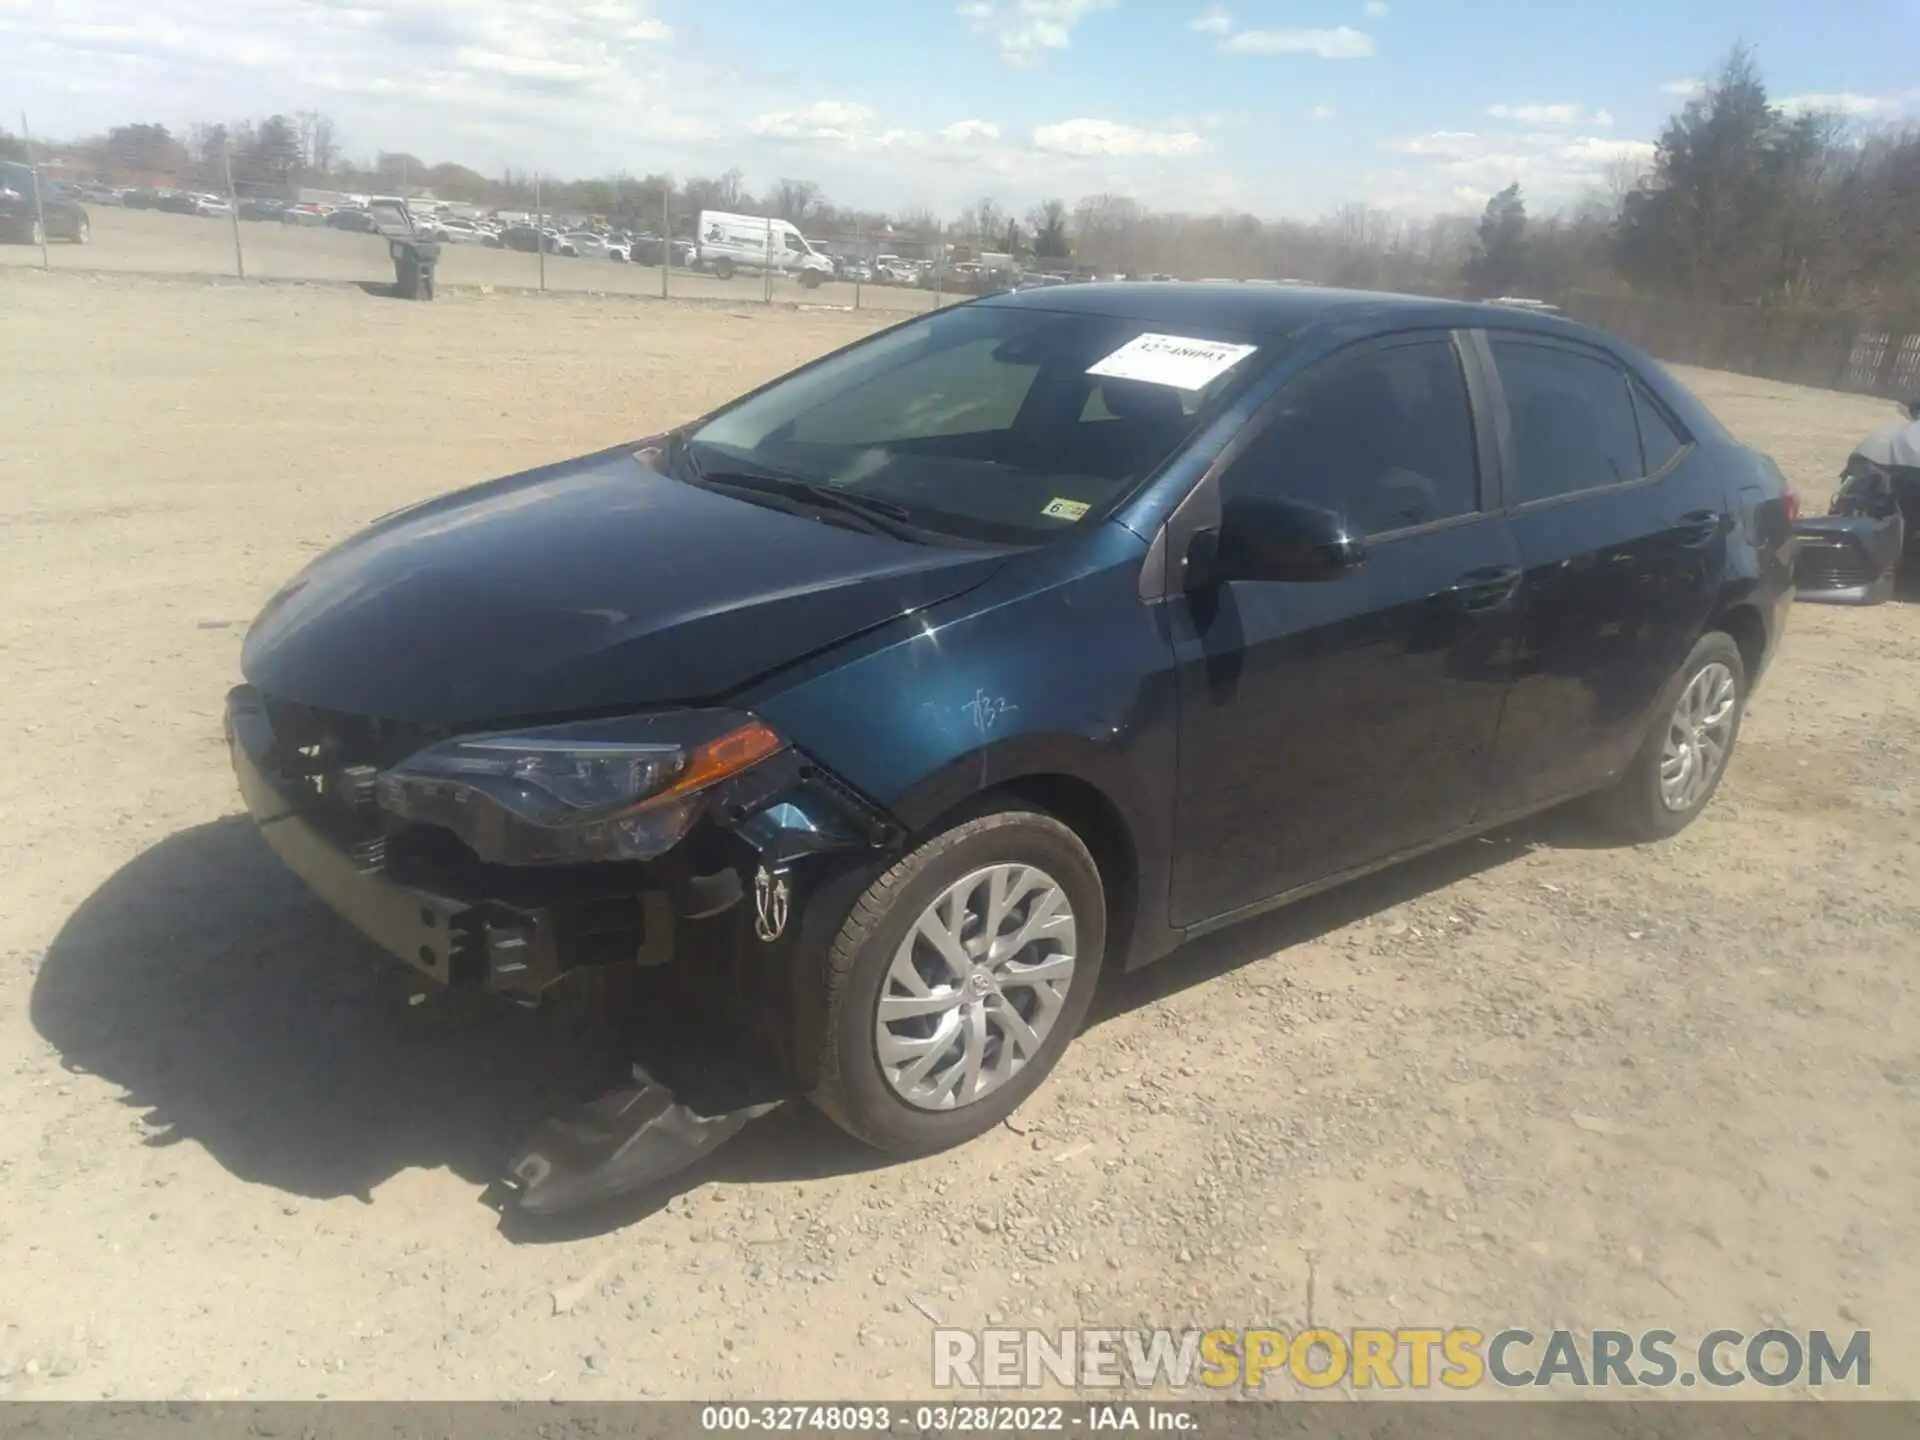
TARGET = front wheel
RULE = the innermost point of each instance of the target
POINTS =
(82, 231)
(809, 279)
(957, 981)
(723, 269)
(1684, 756)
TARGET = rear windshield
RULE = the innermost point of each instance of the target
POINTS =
(990, 423)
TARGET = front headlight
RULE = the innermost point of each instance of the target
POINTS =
(621, 789)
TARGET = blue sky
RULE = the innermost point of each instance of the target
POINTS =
(1279, 107)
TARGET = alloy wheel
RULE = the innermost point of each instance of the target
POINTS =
(1699, 733)
(976, 987)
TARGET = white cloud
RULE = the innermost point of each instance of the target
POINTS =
(1374, 9)
(1322, 112)
(1343, 43)
(1856, 107)
(1108, 137)
(468, 65)
(578, 87)
(1214, 22)
(1463, 166)
(1025, 30)
(963, 132)
(831, 120)
(1686, 89)
(1560, 114)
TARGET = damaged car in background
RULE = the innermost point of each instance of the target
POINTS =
(1852, 555)
(863, 723)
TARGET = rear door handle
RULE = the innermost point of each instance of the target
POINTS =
(1487, 588)
(1697, 527)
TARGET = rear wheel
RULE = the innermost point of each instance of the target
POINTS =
(957, 981)
(723, 269)
(1684, 756)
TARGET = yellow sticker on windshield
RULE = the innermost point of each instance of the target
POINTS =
(1065, 509)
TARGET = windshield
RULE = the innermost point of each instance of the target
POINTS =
(983, 422)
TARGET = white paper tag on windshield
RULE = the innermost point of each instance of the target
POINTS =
(1172, 360)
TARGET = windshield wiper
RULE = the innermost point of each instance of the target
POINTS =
(882, 517)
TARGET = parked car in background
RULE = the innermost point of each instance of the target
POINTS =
(452, 229)
(273, 210)
(1853, 554)
(29, 201)
(187, 202)
(590, 246)
(356, 220)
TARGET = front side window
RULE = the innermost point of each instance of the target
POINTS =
(797, 246)
(1384, 438)
(980, 422)
(1572, 418)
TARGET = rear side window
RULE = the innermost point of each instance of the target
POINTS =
(1572, 418)
(1384, 438)
(1660, 440)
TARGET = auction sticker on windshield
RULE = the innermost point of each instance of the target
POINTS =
(1173, 360)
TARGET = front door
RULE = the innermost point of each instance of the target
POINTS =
(1327, 725)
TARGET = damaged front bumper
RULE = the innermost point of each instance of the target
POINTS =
(717, 923)
(1848, 559)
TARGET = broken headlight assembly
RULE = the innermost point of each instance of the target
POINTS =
(595, 790)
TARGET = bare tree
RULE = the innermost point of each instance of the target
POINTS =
(795, 200)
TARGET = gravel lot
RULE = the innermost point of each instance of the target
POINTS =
(149, 242)
(1524, 1081)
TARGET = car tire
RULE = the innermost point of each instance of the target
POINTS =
(1663, 789)
(723, 269)
(854, 1088)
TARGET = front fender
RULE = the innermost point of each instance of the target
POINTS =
(1033, 675)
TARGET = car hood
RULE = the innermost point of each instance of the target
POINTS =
(591, 585)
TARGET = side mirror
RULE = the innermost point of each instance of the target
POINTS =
(1266, 537)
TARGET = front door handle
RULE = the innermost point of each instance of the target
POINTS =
(1487, 588)
(1697, 527)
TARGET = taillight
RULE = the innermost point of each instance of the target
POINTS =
(1790, 502)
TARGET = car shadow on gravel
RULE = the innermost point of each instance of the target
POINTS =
(238, 1013)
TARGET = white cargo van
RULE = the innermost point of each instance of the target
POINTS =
(752, 242)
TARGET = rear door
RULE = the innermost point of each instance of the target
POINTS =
(1622, 527)
(1328, 725)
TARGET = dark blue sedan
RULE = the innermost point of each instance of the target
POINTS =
(860, 725)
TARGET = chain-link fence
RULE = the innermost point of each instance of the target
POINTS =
(213, 224)
(1831, 349)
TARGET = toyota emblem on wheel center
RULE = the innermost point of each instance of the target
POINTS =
(770, 896)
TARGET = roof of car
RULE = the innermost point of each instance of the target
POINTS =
(1265, 309)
